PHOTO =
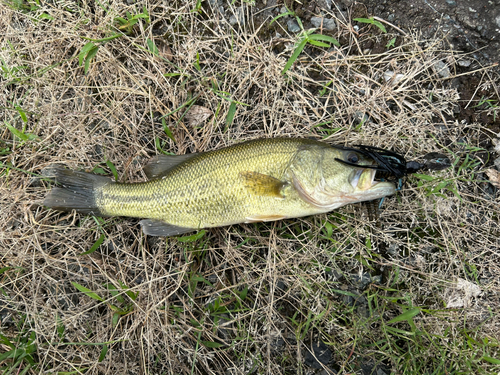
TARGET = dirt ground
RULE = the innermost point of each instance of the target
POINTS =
(469, 26)
(472, 27)
(102, 87)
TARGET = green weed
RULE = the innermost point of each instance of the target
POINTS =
(19, 355)
(121, 306)
(13, 74)
(21, 135)
(490, 104)
(306, 37)
(390, 43)
(124, 26)
(465, 171)
(371, 21)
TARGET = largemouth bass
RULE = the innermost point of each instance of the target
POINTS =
(259, 180)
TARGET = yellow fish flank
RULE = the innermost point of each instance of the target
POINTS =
(259, 180)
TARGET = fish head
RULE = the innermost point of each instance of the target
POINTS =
(323, 180)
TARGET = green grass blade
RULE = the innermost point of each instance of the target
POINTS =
(230, 114)
(167, 131)
(380, 26)
(21, 113)
(95, 246)
(371, 21)
(295, 55)
(281, 15)
(113, 169)
(491, 360)
(88, 292)
(318, 44)
(103, 353)
(152, 47)
(89, 58)
(325, 38)
(85, 50)
(193, 237)
(17, 133)
(211, 344)
(107, 39)
(405, 316)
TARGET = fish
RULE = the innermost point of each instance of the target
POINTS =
(264, 179)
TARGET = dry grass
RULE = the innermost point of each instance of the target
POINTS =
(249, 298)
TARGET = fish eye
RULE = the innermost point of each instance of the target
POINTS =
(352, 157)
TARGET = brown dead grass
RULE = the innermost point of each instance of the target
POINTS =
(290, 269)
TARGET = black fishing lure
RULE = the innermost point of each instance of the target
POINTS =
(390, 165)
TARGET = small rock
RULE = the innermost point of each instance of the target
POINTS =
(293, 26)
(442, 69)
(347, 300)
(497, 163)
(35, 182)
(224, 330)
(494, 178)
(277, 344)
(239, 17)
(393, 249)
(361, 116)
(465, 63)
(363, 311)
(497, 20)
(328, 23)
(320, 355)
(361, 282)
(393, 77)
(325, 4)
(452, 3)
(6, 317)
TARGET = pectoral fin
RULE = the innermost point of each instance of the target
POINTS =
(262, 184)
(161, 164)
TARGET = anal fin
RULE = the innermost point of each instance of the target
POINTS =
(160, 228)
(258, 218)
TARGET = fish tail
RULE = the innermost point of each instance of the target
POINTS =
(77, 190)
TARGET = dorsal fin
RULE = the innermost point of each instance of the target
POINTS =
(262, 184)
(161, 164)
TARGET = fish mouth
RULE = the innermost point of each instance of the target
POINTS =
(364, 180)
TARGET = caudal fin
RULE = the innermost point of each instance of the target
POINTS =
(76, 191)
